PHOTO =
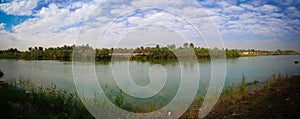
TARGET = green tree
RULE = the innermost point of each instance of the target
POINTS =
(157, 47)
(30, 49)
(41, 48)
(185, 45)
(172, 47)
(192, 45)
(103, 53)
(137, 50)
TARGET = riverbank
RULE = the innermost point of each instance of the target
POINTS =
(278, 99)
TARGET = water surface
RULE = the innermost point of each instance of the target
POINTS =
(45, 72)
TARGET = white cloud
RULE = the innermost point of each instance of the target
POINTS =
(22, 7)
(123, 9)
(267, 9)
(248, 15)
(159, 3)
(233, 9)
(212, 11)
(2, 25)
(291, 9)
(223, 4)
(56, 25)
(54, 19)
(295, 21)
(273, 43)
(9, 41)
(277, 15)
(53, 26)
(265, 20)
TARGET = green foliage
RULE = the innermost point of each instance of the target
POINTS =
(86, 52)
(160, 53)
(243, 88)
(11, 53)
(228, 92)
(39, 53)
(119, 99)
(232, 53)
(236, 91)
(103, 54)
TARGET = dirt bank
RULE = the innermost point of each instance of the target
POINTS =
(279, 99)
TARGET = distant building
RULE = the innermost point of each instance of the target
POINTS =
(248, 53)
(244, 53)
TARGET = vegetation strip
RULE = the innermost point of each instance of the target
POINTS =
(140, 53)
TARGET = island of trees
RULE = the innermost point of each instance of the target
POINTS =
(141, 53)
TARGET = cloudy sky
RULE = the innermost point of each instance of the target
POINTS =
(243, 24)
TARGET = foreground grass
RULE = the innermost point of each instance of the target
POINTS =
(24, 100)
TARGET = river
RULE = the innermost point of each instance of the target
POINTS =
(46, 72)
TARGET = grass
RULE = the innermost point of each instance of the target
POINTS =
(229, 93)
(23, 99)
(241, 98)
(278, 98)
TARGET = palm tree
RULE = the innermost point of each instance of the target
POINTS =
(41, 48)
(192, 45)
(30, 49)
(1, 74)
(185, 45)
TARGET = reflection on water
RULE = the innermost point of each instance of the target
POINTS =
(60, 73)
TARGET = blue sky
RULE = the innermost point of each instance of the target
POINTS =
(257, 24)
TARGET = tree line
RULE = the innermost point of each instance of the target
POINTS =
(141, 53)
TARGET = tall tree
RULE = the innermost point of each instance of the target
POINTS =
(192, 45)
(185, 45)
(41, 48)
(30, 49)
